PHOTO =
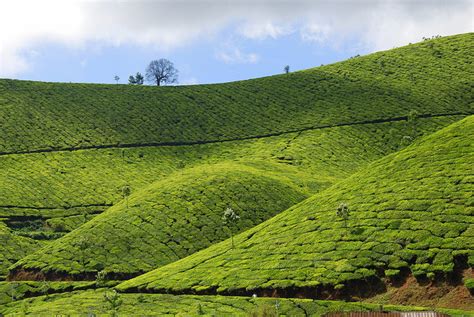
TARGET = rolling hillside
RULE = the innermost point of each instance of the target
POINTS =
(68, 149)
(380, 133)
(163, 222)
(410, 214)
(432, 77)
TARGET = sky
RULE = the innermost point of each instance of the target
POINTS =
(208, 41)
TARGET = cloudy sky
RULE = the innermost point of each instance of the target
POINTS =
(208, 41)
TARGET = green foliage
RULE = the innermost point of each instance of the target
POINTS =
(263, 145)
(91, 303)
(469, 283)
(113, 301)
(100, 279)
(168, 220)
(426, 186)
(12, 291)
(263, 310)
(38, 115)
(343, 212)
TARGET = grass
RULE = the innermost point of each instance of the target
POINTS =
(92, 302)
(410, 210)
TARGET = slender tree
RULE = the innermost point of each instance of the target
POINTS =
(287, 69)
(230, 219)
(116, 78)
(126, 191)
(161, 71)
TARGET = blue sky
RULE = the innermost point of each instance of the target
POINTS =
(208, 41)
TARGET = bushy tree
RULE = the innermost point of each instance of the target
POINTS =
(343, 212)
(100, 278)
(136, 80)
(287, 69)
(113, 301)
(161, 71)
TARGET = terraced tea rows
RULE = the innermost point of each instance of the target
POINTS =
(87, 182)
(166, 221)
(13, 248)
(92, 302)
(72, 153)
(430, 77)
(411, 211)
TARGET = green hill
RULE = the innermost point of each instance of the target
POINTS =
(410, 213)
(164, 222)
(432, 77)
(67, 150)
(46, 195)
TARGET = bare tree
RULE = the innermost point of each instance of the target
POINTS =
(161, 71)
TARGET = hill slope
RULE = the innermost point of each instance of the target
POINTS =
(411, 211)
(68, 149)
(13, 248)
(164, 222)
(432, 77)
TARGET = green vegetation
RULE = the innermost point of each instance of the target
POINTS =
(13, 248)
(166, 221)
(105, 182)
(409, 210)
(14, 291)
(92, 302)
(82, 184)
(383, 85)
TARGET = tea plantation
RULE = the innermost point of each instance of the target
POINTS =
(432, 77)
(166, 221)
(92, 302)
(411, 210)
(350, 181)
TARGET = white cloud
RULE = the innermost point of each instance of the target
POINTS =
(315, 33)
(234, 55)
(263, 30)
(167, 24)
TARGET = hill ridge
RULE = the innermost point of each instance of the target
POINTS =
(203, 142)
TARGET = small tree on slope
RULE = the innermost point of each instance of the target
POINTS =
(230, 219)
